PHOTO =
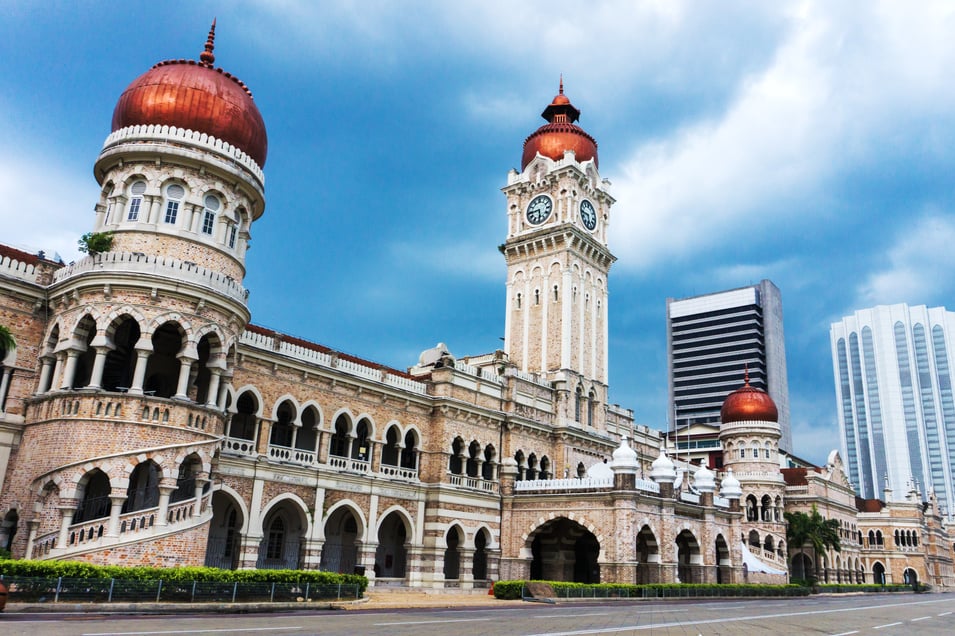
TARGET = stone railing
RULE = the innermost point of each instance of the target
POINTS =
(348, 464)
(17, 269)
(112, 406)
(187, 137)
(721, 502)
(322, 359)
(690, 497)
(648, 485)
(484, 373)
(399, 472)
(474, 483)
(586, 483)
(292, 455)
(160, 266)
(240, 446)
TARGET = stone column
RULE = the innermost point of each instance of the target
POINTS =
(367, 553)
(115, 510)
(99, 363)
(46, 371)
(4, 387)
(466, 568)
(224, 389)
(165, 491)
(139, 374)
(185, 366)
(67, 510)
(201, 480)
(69, 371)
(212, 395)
(33, 525)
(57, 370)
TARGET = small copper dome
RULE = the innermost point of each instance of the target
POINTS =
(748, 404)
(559, 134)
(195, 96)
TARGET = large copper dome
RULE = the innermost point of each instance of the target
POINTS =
(195, 96)
(748, 404)
(559, 134)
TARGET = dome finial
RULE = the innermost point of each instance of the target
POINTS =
(746, 374)
(561, 83)
(206, 57)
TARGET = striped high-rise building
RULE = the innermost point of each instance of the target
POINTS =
(894, 399)
(711, 339)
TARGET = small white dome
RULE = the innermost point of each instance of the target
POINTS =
(625, 458)
(704, 480)
(730, 487)
(662, 470)
(600, 470)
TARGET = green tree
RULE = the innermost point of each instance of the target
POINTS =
(814, 530)
(7, 341)
(94, 243)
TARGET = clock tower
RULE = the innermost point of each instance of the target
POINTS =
(558, 209)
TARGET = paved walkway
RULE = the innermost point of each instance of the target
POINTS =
(397, 599)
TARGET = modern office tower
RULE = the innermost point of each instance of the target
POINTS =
(894, 398)
(712, 339)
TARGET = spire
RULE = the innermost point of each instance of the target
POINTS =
(746, 374)
(206, 57)
(561, 84)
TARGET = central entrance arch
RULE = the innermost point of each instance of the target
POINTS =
(564, 550)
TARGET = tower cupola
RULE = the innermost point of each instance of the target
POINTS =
(560, 134)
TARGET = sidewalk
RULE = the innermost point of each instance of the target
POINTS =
(374, 599)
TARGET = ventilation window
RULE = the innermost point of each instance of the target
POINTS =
(555, 293)
(174, 194)
(518, 301)
(537, 296)
(209, 214)
(135, 201)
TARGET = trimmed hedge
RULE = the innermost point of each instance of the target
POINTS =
(510, 590)
(841, 588)
(79, 570)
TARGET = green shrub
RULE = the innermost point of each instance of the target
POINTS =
(79, 570)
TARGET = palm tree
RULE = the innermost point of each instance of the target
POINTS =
(820, 533)
(7, 341)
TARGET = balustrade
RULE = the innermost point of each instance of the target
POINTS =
(475, 483)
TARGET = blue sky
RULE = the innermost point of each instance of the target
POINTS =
(806, 142)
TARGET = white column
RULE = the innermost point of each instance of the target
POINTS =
(508, 310)
(70, 369)
(185, 365)
(546, 291)
(99, 363)
(566, 319)
(116, 508)
(46, 374)
(605, 367)
(139, 374)
(212, 395)
(58, 370)
(4, 387)
(594, 312)
(526, 321)
(66, 520)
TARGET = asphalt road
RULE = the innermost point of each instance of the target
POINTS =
(873, 614)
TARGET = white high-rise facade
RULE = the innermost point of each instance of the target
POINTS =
(894, 399)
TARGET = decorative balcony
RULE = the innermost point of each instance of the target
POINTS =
(474, 483)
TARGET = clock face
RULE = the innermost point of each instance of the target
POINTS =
(588, 214)
(539, 209)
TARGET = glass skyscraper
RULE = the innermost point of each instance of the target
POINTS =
(894, 399)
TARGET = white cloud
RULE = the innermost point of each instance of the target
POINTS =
(916, 266)
(838, 90)
(46, 206)
(471, 260)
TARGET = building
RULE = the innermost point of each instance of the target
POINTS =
(894, 399)
(711, 340)
(145, 419)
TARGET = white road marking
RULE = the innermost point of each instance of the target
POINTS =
(632, 628)
(944, 613)
(847, 633)
(454, 620)
(921, 618)
(887, 625)
(194, 631)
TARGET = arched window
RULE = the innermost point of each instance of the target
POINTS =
(234, 230)
(487, 468)
(174, 195)
(578, 397)
(545, 468)
(212, 206)
(590, 408)
(474, 453)
(276, 539)
(409, 454)
(338, 445)
(136, 192)
(752, 509)
(143, 491)
(456, 461)
(390, 451)
(532, 467)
